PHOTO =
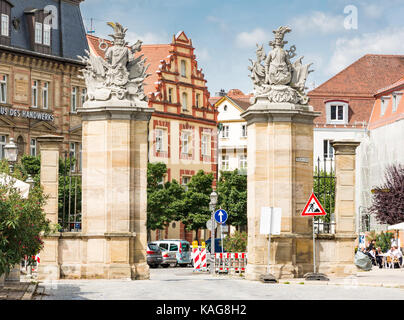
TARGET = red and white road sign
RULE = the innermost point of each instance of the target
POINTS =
(313, 207)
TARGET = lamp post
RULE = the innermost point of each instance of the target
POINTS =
(212, 207)
(10, 153)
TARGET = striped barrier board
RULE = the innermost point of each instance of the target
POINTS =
(231, 262)
(204, 264)
(196, 258)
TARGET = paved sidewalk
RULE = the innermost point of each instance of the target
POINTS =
(15, 290)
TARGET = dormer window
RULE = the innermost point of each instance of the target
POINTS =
(46, 34)
(396, 100)
(38, 32)
(336, 112)
(383, 105)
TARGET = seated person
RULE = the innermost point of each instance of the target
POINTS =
(379, 257)
(396, 253)
(372, 255)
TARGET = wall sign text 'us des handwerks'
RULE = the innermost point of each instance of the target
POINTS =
(44, 116)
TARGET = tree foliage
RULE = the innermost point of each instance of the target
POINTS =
(388, 199)
(232, 192)
(324, 189)
(383, 240)
(22, 221)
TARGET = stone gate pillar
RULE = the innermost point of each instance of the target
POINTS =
(114, 190)
(345, 232)
(280, 174)
(49, 268)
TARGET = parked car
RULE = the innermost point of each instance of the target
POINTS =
(169, 258)
(181, 248)
(153, 255)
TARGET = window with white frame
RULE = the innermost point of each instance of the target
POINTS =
(3, 89)
(159, 139)
(38, 32)
(383, 105)
(205, 144)
(185, 180)
(74, 100)
(225, 162)
(337, 112)
(83, 96)
(5, 25)
(396, 100)
(34, 93)
(225, 131)
(242, 162)
(183, 68)
(32, 147)
(46, 34)
(243, 130)
(3, 141)
(184, 101)
(328, 150)
(170, 95)
(45, 95)
(185, 142)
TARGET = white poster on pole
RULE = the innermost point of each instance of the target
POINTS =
(270, 220)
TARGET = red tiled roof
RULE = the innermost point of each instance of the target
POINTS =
(365, 76)
(391, 87)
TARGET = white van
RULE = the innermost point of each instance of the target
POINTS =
(181, 248)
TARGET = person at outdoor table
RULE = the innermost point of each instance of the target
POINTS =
(379, 257)
(397, 254)
(372, 255)
(372, 245)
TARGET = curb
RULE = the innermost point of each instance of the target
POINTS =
(30, 291)
(325, 283)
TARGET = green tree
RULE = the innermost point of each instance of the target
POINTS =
(164, 200)
(383, 240)
(196, 200)
(232, 192)
(22, 222)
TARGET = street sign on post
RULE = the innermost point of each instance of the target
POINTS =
(313, 208)
(221, 216)
(209, 224)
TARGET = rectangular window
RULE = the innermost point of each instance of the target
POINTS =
(205, 145)
(184, 101)
(46, 34)
(225, 162)
(3, 89)
(225, 132)
(328, 150)
(396, 101)
(72, 153)
(337, 113)
(159, 140)
(383, 106)
(197, 100)
(170, 95)
(34, 95)
(183, 69)
(4, 25)
(38, 32)
(2, 145)
(185, 136)
(243, 130)
(33, 147)
(184, 181)
(242, 162)
(83, 96)
(45, 95)
(74, 100)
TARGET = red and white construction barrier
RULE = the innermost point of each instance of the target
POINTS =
(204, 263)
(196, 258)
(231, 262)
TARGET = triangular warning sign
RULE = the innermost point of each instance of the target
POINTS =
(313, 207)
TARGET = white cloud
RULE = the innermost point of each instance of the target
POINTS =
(347, 50)
(318, 22)
(249, 39)
(147, 38)
(373, 10)
(202, 54)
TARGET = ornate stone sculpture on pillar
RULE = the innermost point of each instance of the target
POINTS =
(114, 157)
(280, 160)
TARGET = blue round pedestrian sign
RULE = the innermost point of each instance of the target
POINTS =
(221, 216)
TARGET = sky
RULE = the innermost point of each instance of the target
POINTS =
(331, 34)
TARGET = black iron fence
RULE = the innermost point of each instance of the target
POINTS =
(69, 193)
(324, 189)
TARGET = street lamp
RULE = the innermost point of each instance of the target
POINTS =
(10, 153)
(212, 207)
